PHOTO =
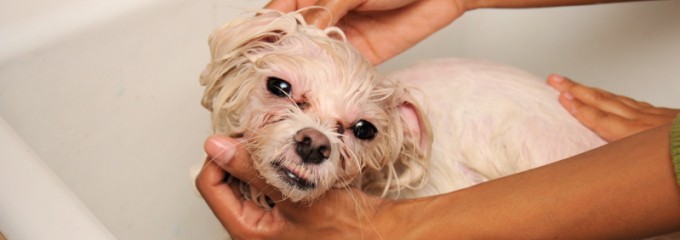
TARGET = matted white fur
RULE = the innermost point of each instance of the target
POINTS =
(441, 125)
(490, 120)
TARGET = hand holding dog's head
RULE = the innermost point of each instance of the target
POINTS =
(313, 112)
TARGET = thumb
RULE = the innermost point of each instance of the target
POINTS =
(221, 150)
(331, 12)
(230, 154)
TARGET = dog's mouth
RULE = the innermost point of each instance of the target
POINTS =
(291, 177)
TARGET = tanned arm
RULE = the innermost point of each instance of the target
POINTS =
(626, 189)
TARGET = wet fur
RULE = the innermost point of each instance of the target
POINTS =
(338, 86)
(442, 125)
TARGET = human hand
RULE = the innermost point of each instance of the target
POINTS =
(339, 214)
(379, 29)
(609, 115)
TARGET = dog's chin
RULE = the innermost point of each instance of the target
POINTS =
(293, 181)
(293, 177)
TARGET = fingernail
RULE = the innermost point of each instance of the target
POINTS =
(557, 78)
(569, 104)
(221, 150)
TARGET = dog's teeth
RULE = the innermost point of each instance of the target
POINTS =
(291, 175)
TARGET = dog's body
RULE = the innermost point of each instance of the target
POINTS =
(489, 121)
(315, 115)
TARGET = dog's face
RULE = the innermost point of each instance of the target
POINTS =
(313, 113)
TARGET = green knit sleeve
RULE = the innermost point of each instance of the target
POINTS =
(675, 147)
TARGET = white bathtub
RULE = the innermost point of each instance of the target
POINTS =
(106, 93)
(99, 100)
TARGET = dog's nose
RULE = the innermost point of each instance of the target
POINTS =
(312, 145)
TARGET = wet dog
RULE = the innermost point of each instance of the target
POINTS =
(315, 115)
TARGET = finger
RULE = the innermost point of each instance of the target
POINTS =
(603, 100)
(633, 103)
(380, 36)
(289, 5)
(638, 108)
(647, 110)
(242, 218)
(563, 84)
(594, 97)
(231, 156)
(609, 126)
(663, 112)
(560, 83)
(331, 12)
(219, 196)
(220, 149)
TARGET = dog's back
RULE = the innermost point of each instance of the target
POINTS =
(489, 121)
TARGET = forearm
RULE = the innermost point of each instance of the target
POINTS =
(626, 189)
(476, 4)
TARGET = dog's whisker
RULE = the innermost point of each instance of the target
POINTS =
(393, 176)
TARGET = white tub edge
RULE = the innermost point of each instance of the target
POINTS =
(35, 204)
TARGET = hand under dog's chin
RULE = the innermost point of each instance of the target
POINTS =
(299, 181)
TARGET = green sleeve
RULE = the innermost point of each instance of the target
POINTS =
(675, 147)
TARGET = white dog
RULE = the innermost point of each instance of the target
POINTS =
(315, 115)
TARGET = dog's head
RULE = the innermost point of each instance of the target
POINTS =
(313, 113)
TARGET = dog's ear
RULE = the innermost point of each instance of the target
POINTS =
(231, 74)
(415, 126)
(412, 140)
(244, 36)
(413, 160)
(235, 49)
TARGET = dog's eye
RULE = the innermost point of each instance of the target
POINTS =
(364, 130)
(279, 87)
